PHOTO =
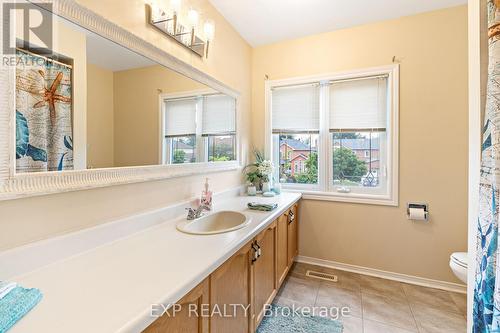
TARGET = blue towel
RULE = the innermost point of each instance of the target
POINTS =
(262, 207)
(16, 304)
(6, 287)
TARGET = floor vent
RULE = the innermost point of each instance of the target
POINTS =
(322, 276)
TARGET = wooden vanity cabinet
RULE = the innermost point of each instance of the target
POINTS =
(282, 260)
(264, 272)
(181, 321)
(251, 277)
(231, 284)
(292, 234)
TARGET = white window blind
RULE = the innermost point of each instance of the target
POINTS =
(180, 117)
(359, 104)
(295, 109)
(219, 115)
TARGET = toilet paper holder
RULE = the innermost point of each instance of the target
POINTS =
(415, 205)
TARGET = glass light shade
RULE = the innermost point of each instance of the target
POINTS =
(157, 13)
(193, 17)
(176, 5)
(209, 30)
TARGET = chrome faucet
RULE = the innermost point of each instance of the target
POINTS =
(194, 214)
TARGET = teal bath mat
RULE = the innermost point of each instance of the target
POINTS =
(281, 322)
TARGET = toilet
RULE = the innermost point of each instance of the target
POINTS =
(458, 264)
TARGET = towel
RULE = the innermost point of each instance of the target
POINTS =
(16, 304)
(262, 207)
(6, 287)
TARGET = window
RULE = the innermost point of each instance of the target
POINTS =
(295, 129)
(180, 131)
(219, 128)
(335, 137)
(198, 128)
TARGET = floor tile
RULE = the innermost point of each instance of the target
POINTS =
(432, 320)
(330, 296)
(290, 303)
(376, 327)
(391, 311)
(460, 301)
(352, 324)
(300, 291)
(382, 287)
(430, 297)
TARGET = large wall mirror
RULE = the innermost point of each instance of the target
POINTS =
(89, 102)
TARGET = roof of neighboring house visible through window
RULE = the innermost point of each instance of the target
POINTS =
(296, 144)
(360, 144)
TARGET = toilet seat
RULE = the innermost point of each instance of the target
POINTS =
(459, 258)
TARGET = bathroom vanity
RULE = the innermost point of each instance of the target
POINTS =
(249, 279)
(112, 278)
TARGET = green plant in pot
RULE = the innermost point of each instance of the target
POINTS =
(259, 172)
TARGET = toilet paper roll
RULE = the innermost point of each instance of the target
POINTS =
(417, 214)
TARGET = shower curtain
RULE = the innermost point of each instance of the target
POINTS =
(486, 313)
(44, 133)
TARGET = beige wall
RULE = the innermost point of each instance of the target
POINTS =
(100, 113)
(432, 49)
(137, 116)
(27, 220)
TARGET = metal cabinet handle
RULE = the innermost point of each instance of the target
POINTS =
(257, 251)
(291, 217)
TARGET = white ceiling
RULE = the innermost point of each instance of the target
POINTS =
(107, 54)
(267, 21)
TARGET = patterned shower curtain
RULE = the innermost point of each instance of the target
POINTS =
(486, 313)
(43, 115)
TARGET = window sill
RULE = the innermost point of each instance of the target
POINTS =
(348, 198)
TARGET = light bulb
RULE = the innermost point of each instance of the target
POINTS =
(176, 5)
(209, 30)
(193, 17)
(156, 11)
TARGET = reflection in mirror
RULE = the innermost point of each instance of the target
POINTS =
(198, 127)
(92, 103)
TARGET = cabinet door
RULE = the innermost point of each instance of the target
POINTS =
(293, 228)
(230, 285)
(180, 320)
(264, 268)
(281, 249)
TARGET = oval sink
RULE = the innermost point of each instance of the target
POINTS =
(216, 223)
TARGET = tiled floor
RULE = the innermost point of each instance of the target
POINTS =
(376, 305)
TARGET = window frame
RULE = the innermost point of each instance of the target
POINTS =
(201, 151)
(324, 190)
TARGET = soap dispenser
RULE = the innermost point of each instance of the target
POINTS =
(206, 196)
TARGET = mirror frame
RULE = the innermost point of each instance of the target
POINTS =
(13, 185)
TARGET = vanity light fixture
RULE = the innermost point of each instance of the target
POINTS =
(209, 29)
(167, 22)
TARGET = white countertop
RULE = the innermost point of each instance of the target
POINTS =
(111, 287)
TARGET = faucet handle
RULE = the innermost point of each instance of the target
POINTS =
(191, 213)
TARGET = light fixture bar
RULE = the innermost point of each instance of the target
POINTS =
(196, 44)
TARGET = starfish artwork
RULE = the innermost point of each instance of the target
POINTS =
(34, 83)
(44, 110)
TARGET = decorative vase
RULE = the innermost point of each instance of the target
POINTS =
(266, 187)
(277, 188)
(252, 190)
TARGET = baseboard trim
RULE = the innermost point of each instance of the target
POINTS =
(449, 286)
